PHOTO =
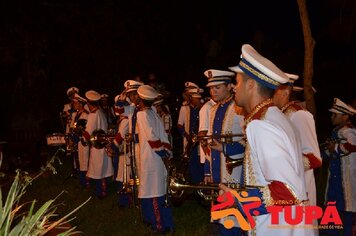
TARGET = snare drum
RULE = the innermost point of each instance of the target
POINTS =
(56, 139)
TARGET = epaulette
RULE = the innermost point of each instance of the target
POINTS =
(292, 106)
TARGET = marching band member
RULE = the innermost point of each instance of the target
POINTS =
(100, 165)
(163, 111)
(131, 87)
(154, 148)
(183, 121)
(123, 172)
(304, 124)
(108, 110)
(191, 152)
(83, 150)
(66, 116)
(341, 153)
(225, 117)
(204, 118)
(129, 105)
(272, 157)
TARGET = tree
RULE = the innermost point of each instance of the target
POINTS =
(309, 44)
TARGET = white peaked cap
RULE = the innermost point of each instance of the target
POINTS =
(72, 90)
(292, 78)
(147, 92)
(260, 68)
(92, 95)
(216, 77)
(159, 99)
(189, 85)
(195, 92)
(132, 85)
(342, 108)
(104, 95)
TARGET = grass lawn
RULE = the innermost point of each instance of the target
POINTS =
(104, 217)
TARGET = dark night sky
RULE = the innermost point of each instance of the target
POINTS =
(47, 46)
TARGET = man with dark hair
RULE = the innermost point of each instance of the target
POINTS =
(79, 120)
(304, 124)
(272, 157)
(225, 118)
(66, 117)
(341, 153)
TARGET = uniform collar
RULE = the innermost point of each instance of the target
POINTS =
(259, 111)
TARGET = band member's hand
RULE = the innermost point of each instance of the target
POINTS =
(128, 138)
(216, 145)
(82, 141)
(109, 151)
(331, 146)
(205, 149)
(208, 179)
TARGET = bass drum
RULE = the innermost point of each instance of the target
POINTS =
(56, 139)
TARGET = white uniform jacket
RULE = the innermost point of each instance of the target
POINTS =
(100, 164)
(304, 124)
(272, 160)
(204, 119)
(154, 145)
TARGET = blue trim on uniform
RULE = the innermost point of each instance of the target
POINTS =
(181, 130)
(234, 148)
(217, 128)
(195, 168)
(207, 170)
(162, 153)
(121, 103)
(335, 190)
(265, 83)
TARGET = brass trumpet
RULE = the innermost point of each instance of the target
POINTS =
(177, 189)
(99, 139)
(224, 138)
